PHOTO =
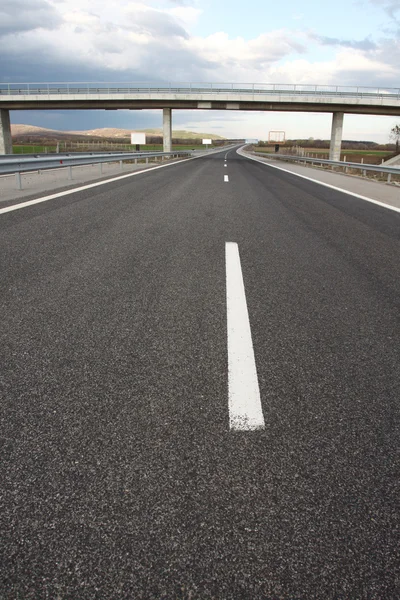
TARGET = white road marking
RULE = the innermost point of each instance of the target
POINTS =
(226, 178)
(245, 411)
(328, 185)
(225, 165)
(226, 155)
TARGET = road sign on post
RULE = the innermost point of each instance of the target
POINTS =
(137, 139)
(207, 143)
(276, 137)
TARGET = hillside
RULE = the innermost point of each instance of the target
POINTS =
(20, 131)
(181, 133)
(17, 130)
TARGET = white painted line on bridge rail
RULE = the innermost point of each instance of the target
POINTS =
(245, 411)
(226, 178)
(328, 185)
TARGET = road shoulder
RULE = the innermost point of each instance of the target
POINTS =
(365, 188)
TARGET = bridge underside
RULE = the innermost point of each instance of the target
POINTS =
(168, 103)
(146, 104)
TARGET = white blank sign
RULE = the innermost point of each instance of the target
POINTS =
(208, 142)
(138, 138)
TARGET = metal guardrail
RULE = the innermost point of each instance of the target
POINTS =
(9, 164)
(334, 163)
(17, 156)
(57, 156)
(88, 88)
(14, 164)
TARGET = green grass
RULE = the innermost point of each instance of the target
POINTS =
(31, 149)
(159, 147)
(348, 153)
(324, 150)
(381, 153)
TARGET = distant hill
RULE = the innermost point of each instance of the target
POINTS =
(31, 130)
(181, 133)
(20, 131)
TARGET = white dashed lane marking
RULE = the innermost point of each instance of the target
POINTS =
(245, 411)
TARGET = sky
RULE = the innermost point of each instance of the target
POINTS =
(346, 42)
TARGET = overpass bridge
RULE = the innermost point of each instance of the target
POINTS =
(336, 100)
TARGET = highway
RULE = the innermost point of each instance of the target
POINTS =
(126, 472)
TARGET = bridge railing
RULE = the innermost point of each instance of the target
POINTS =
(88, 88)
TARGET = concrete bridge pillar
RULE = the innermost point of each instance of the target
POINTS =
(5, 132)
(167, 129)
(336, 136)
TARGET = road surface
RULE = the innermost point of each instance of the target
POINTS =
(124, 473)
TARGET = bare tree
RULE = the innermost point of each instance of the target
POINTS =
(395, 135)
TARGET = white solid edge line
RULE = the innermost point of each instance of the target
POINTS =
(226, 178)
(328, 185)
(84, 187)
(92, 185)
(245, 411)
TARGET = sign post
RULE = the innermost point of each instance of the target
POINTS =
(277, 138)
(207, 143)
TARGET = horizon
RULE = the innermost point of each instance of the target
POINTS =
(159, 133)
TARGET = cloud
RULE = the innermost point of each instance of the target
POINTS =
(391, 7)
(183, 2)
(25, 15)
(365, 44)
(187, 15)
(388, 54)
(95, 40)
(349, 68)
(152, 22)
(237, 59)
(133, 40)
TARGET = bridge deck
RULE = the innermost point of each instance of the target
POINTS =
(196, 96)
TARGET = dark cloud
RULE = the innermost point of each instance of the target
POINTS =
(157, 24)
(388, 54)
(170, 64)
(365, 44)
(42, 66)
(24, 15)
(32, 58)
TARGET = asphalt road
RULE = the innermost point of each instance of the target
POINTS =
(120, 476)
